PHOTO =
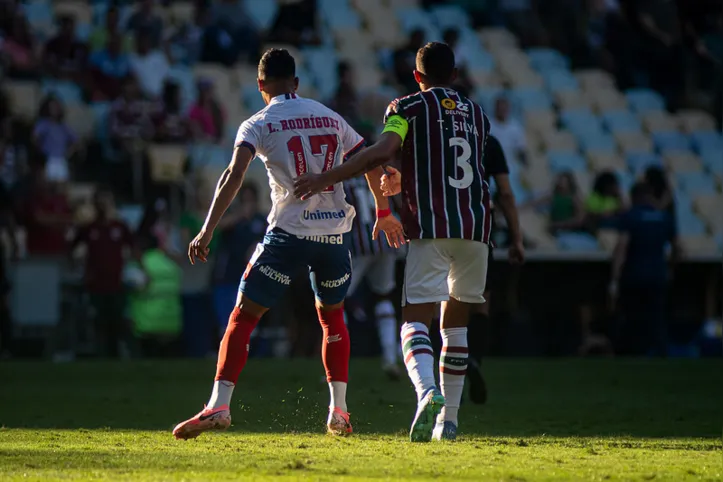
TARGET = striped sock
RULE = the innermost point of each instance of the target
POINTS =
(418, 356)
(452, 370)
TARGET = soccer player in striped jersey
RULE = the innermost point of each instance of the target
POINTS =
(374, 261)
(446, 216)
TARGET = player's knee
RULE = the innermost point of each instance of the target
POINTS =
(323, 306)
(249, 307)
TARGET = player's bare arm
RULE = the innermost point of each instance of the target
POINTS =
(391, 182)
(385, 219)
(228, 186)
(509, 210)
(374, 156)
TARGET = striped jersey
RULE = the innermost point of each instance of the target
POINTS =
(293, 136)
(444, 191)
(360, 196)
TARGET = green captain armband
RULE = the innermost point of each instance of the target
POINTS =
(398, 125)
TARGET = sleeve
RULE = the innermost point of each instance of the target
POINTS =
(351, 141)
(494, 158)
(249, 136)
(396, 118)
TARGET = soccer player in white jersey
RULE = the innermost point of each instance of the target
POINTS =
(292, 136)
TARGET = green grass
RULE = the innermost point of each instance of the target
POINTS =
(546, 420)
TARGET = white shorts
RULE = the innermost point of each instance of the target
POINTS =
(438, 269)
(379, 271)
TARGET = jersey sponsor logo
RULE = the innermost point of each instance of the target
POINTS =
(333, 338)
(335, 283)
(271, 273)
(449, 104)
(319, 215)
(325, 238)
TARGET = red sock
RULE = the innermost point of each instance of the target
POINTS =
(336, 347)
(234, 349)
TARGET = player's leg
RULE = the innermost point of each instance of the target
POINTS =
(425, 285)
(477, 335)
(266, 278)
(352, 306)
(382, 281)
(330, 273)
(467, 277)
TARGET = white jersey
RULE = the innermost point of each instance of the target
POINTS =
(292, 136)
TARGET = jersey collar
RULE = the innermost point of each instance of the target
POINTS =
(283, 97)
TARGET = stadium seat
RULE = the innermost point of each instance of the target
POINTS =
(626, 181)
(68, 92)
(565, 161)
(606, 161)
(450, 16)
(510, 57)
(580, 121)
(322, 64)
(497, 38)
(644, 100)
(572, 100)
(24, 98)
(633, 142)
(712, 160)
(599, 141)
(80, 119)
(540, 121)
(697, 183)
(167, 163)
(604, 100)
(607, 239)
(40, 17)
(701, 245)
(486, 97)
(80, 11)
(531, 99)
(543, 59)
(621, 121)
(535, 230)
(560, 141)
(577, 242)
(690, 225)
(707, 140)
(691, 120)
(262, 13)
(99, 112)
(537, 178)
(638, 162)
(659, 122)
(182, 12)
(709, 208)
(595, 79)
(681, 161)
(664, 141)
(559, 80)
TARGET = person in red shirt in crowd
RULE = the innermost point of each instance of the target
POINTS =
(47, 216)
(108, 242)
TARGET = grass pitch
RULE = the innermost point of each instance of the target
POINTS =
(545, 420)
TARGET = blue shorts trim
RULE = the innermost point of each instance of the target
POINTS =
(282, 256)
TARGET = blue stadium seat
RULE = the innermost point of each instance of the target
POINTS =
(560, 80)
(690, 225)
(480, 60)
(626, 181)
(683, 203)
(644, 100)
(412, 18)
(531, 99)
(251, 98)
(322, 65)
(262, 13)
(486, 97)
(67, 92)
(450, 16)
(581, 122)
(621, 121)
(712, 160)
(696, 182)
(577, 242)
(597, 141)
(639, 161)
(676, 141)
(339, 15)
(100, 113)
(542, 59)
(566, 161)
(707, 140)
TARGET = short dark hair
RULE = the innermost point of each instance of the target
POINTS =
(641, 192)
(277, 64)
(436, 62)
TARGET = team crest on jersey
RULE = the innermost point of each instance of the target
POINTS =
(449, 104)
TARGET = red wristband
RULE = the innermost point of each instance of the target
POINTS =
(383, 213)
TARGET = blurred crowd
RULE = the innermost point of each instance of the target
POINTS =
(104, 199)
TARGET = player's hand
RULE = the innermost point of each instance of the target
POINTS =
(198, 248)
(516, 253)
(392, 229)
(391, 182)
(309, 184)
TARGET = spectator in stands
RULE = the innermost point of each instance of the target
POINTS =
(231, 27)
(144, 20)
(149, 66)
(185, 43)
(155, 308)
(296, 24)
(129, 116)
(65, 57)
(100, 35)
(463, 84)
(108, 242)
(54, 139)
(206, 115)
(404, 60)
(605, 202)
(346, 98)
(640, 274)
(171, 123)
(46, 215)
(565, 206)
(109, 69)
(18, 51)
(236, 243)
(508, 131)
(158, 224)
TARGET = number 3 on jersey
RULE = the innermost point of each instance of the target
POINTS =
(461, 161)
(324, 146)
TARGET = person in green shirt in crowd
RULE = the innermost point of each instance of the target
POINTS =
(566, 211)
(605, 202)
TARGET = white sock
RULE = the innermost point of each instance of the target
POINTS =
(338, 395)
(418, 356)
(221, 394)
(387, 329)
(452, 370)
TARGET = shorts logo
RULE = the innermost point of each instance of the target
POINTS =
(449, 104)
(275, 275)
(323, 215)
(324, 238)
(333, 338)
(335, 283)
